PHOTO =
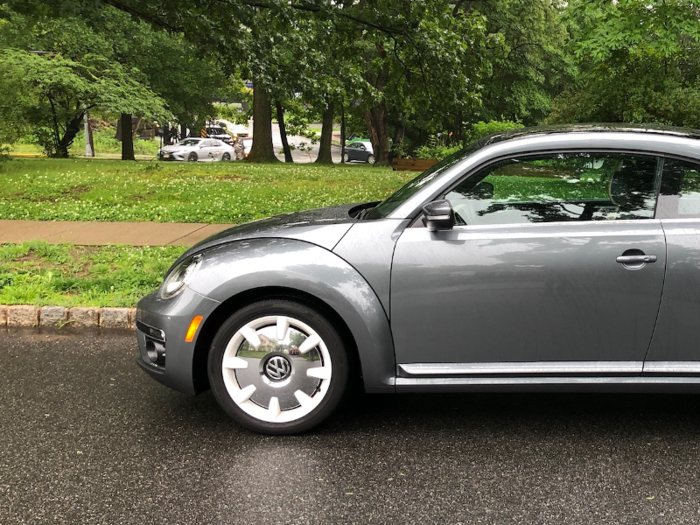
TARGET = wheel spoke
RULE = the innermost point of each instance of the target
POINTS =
(274, 408)
(251, 336)
(303, 398)
(310, 343)
(282, 328)
(243, 395)
(320, 372)
(234, 363)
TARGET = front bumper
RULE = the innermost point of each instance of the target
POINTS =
(171, 156)
(161, 327)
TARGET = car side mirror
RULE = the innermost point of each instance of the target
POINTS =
(438, 215)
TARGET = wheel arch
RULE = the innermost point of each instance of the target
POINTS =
(245, 271)
(238, 301)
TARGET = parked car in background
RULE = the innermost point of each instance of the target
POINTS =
(195, 149)
(544, 259)
(219, 133)
(359, 151)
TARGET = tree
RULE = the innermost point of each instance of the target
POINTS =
(52, 94)
(529, 65)
(639, 61)
(422, 66)
(172, 72)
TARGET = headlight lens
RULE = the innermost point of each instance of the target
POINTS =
(181, 276)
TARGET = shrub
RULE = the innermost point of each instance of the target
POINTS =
(483, 129)
(106, 143)
(438, 146)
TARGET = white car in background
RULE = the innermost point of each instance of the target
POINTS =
(195, 149)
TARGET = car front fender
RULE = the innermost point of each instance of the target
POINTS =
(244, 266)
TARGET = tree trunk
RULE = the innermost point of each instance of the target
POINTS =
(399, 135)
(262, 150)
(72, 129)
(324, 151)
(127, 137)
(135, 129)
(283, 132)
(377, 124)
(342, 134)
(90, 138)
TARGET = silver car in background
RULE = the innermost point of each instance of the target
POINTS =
(544, 259)
(195, 149)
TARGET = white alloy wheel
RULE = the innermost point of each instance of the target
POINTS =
(278, 367)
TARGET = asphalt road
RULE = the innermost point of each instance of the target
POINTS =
(89, 438)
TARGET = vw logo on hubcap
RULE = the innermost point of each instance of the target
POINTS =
(278, 368)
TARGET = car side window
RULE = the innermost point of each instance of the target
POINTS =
(680, 190)
(557, 188)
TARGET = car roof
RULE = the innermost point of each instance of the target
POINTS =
(520, 133)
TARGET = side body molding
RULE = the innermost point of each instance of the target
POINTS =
(241, 266)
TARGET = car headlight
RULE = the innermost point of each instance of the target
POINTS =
(180, 277)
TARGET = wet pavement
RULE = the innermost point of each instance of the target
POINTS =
(89, 438)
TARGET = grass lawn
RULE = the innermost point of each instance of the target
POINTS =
(42, 274)
(232, 192)
(38, 273)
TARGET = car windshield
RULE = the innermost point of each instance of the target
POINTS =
(385, 207)
(189, 142)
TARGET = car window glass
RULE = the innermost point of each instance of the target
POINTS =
(680, 190)
(558, 187)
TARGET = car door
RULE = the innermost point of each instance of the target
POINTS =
(542, 273)
(353, 151)
(675, 347)
(210, 150)
(217, 149)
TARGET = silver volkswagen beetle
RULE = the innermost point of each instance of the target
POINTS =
(543, 259)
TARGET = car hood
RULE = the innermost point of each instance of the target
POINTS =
(323, 227)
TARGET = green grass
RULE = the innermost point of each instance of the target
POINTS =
(41, 274)
(107, 190)
(26, 149)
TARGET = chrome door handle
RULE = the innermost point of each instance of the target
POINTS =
(636, 259)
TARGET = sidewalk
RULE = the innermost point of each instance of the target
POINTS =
(104, 233)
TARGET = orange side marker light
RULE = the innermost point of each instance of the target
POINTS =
(193, 328)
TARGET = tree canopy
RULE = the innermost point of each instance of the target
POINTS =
(401, 72)
(639, 61)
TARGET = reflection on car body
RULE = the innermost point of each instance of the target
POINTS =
(542, 259)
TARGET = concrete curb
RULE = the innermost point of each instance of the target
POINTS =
(60, 316)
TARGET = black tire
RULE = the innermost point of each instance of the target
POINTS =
(346, 157)
(370, 159)
(226, 382)
(226, 157)
(192, 157)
